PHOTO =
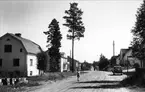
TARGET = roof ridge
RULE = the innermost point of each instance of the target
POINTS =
(31, 47)
(23, 38)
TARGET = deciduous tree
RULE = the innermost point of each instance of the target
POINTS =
(138, 43)
(103, 62)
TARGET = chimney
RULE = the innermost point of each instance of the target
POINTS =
(18, 34)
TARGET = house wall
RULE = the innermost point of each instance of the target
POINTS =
(63, 64)
(121, 57)
(125, 58)
(32, 68)
(132, 60)
(7, 58)
(74, 63)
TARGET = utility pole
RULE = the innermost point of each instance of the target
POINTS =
(70, 53)
(113, 48)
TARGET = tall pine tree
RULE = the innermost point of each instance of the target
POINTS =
(53, 39)
(75, 25)
(138, 43)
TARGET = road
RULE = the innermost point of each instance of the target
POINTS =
(93, 81)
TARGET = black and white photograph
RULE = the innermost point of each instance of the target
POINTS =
(72, 45)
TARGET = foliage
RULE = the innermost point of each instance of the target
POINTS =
(135, 79)
(42, 61)
(95, 64)
(75, 25)
(53, 39)
(74, 22)
(103, 62)
(139, 34)
(136, 65)
(113, 60)
(85, 66)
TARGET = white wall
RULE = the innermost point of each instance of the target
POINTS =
(32, 68)
(7, 58)
(62, 66)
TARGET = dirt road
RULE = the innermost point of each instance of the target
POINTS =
(93, 81)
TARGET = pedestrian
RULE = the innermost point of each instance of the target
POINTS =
(78, 75)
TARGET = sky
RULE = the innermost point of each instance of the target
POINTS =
(105, 21)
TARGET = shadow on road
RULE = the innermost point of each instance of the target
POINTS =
(102, 81)
(129, 73)
(115, 75)
(107, 86)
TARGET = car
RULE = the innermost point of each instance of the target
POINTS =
(117, 70)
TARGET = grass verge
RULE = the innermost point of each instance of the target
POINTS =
(35, 81)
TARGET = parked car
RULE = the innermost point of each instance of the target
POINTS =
(117, 70)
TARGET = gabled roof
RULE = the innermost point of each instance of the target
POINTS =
(29, 45)
(124, 50)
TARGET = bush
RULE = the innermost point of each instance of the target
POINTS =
(137, 79)
(136, 65)
(51, 76)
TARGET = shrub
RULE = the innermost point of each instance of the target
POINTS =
(136, 79)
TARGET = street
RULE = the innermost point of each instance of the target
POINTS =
(93, 81)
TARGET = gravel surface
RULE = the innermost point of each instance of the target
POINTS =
(93, 81)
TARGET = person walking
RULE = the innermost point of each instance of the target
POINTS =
(78, 75)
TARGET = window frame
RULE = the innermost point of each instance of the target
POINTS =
(16, 64)
(1, 62)
(7, 48)
(31, 73)
(21, 50)
(31, 62)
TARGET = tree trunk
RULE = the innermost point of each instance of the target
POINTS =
(73, 51)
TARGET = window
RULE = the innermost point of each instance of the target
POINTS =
(21, 50)
(0, 62)
(31, 62)
(8, 48)
(8, 39)
(31, 72)
(15, 62)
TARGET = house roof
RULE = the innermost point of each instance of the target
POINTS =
(123, 51)
(30, 46)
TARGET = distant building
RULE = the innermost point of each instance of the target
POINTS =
(77, 64)
(122, 54)
(127, 58)
(114, 60)
(118, 60)
(63, 62)
(18, 56)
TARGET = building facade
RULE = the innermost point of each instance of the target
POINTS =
(18, 56)
(126, 58)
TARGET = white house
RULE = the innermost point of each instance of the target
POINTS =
(18, 56)
(64, 63)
